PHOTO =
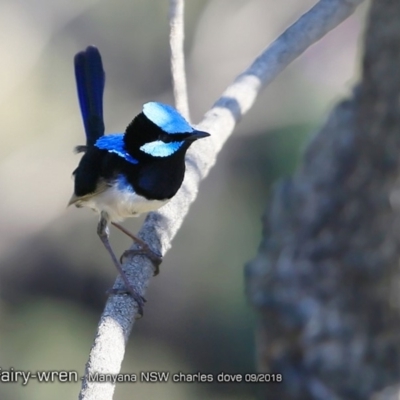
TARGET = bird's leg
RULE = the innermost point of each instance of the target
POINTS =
(103, 232)
(145, 250)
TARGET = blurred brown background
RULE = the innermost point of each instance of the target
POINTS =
(53, 269)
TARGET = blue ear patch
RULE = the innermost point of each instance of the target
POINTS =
(166, 117)
(159, 148)
(115, 144)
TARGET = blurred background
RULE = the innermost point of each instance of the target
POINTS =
(53, 269)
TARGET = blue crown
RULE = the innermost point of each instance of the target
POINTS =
(166, 118)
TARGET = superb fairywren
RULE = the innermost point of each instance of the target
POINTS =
(125, 175)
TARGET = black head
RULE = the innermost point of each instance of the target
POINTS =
(159, 132)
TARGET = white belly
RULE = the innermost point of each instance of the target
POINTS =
(121, 204)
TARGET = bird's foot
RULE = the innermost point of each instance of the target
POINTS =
(140, 300)
(145, 250)
(154, 257)
(102, 231)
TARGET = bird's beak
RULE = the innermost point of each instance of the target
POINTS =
(197, 135)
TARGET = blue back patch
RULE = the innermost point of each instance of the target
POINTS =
(166, 117)
(115, 144)
(158, 148)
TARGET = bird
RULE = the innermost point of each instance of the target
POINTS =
(124, 175)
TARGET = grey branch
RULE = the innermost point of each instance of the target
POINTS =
(160, 227)
(176, 40)
(326, 278)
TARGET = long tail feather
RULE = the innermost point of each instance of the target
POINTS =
(90, 80)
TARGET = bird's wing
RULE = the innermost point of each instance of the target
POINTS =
(90, 80)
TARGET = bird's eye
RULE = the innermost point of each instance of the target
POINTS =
(163, 137)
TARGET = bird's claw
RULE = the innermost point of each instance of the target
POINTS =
(140, 300)
(154, 257)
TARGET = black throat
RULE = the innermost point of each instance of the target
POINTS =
(157, 178)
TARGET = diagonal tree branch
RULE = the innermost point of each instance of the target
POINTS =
(160, 227)
(176, 40)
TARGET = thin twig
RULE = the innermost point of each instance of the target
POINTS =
(176, 40)
(160, 227)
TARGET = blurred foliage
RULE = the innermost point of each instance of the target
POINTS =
(54, 271)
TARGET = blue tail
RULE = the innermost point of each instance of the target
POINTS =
(90, 80)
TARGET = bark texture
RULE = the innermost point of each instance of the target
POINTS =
(326, 280)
